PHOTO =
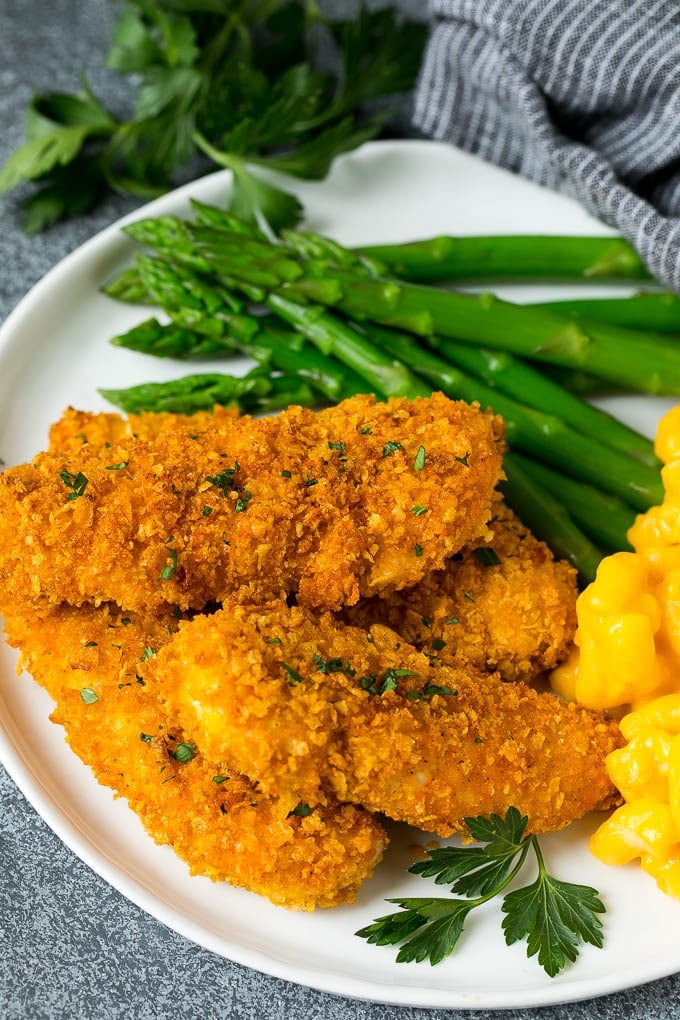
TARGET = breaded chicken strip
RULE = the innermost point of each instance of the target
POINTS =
(324, 505)
(503, 604)
(309, 708)
(91, 662)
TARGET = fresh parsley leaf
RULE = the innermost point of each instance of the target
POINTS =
(89, 696)
(252, 198)
(40, 155)
(555, 917)
(238, 83)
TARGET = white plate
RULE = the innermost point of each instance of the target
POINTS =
(53, 352)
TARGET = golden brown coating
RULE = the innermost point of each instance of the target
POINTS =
(75, 427)
(311, 708)
(91, 661)
(503, 604)
(320, 504)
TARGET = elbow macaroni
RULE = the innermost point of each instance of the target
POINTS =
(628, 654)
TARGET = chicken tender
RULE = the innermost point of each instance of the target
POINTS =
(92, 663)
(311, 708)
(326, 505)
(503, 604)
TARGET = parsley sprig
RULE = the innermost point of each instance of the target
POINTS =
(554, 917)
(238, 83)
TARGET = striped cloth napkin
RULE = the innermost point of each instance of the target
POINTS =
(580, 95)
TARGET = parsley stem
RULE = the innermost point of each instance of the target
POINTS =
(225, 159)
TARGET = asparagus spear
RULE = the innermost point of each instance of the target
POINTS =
(548, 520)
(655, 312)
(511, 257)
(580, 383)
(254, 393)
(604, 518)
(168, 340)
(331, 335)
(282, 350)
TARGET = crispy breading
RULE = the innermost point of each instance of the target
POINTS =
(321, 504)
(310, 707)
(75, 427)
(503, 604)
(218, 822)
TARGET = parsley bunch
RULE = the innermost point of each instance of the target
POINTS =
(236, 81)
(554, 917)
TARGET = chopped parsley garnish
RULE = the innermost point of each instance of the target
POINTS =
(274, 641)
(301, 811)
(333, 666)
(91, 644)
(76, 483)
(89, 696)
(148, 652)
(126, 621)
(224, 481)
(391, 447)
(169, 571)
(336, 446)
(310, 481)
(117, 467)
(419, 462)
(429, 690)
(487, 556)
(206, 511)
(437, 644)
(468, 596)
(286, 474)
(241, 504)
(146, 738)
(183, 753)
(465, 461)
(220, 779)
(418, 510)
(293, 675)
(418, 549)
(452, 619)
(389, 681)
(366, 430)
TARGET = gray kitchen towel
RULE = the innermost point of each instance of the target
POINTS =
(580, 95)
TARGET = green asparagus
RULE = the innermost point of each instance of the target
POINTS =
(441, 259)
(549, 520)
(254, 393)
(659, 313)
(604, 518)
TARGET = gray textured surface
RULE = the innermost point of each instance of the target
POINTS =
(71, 946)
